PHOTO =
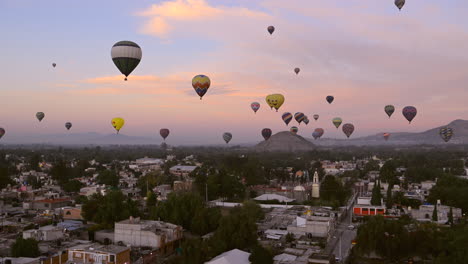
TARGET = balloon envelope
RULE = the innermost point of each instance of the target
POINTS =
(389, 109)
(386, 136)
(201, 83)
(275, 101)
(227, 137)
(53, 64)
(287, 117)
(400, 3)
(294, 129)
(348, 129)
(126, 56)
(117, 123)
(330, 99)
(409, 113)
(316, 117)
(255, 106)
(271, 29)
(2, 132)
(297, 70)
(68, 125)
(319, 131)
(446, 133)
(306, 120)
(299, 117)
(266, 133)
(337, 122)
(164, 132)
(40, 116)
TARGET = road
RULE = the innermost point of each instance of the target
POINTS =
(340, 243)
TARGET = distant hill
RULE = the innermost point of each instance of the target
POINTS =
(285, 141)
(429, 137)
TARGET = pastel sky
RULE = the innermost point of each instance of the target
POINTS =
(364, 52)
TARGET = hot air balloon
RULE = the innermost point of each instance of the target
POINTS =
(266, 133)
(287, 117)
(126, 56)
(337, 122)
(271, 29)
(275, 101)
(54, 64)
(315, 135)
(297, 70)
(316, 117)
(40, 116)
(400, 4)
(330, 99)
(68, 125)
(255, 106)
(389, 109)
(299, 117)
(227, 137)
(164, 132)
(306, 120)
(386, 136)
(117, 123)
(348, 129)
(409, 113)
(294, 129)
(319, 132)
(446, 133)
(201, 83)
(2, 132)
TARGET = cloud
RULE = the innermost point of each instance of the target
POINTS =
(163, 18)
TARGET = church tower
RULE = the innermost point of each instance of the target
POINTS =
(315, 186)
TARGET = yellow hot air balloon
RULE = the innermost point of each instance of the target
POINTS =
(118, 123)
(275, 101)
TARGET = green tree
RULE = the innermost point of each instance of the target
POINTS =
(376, 198)
(108, 177)
(28, 248)
(73, 186)
(450, 216)
(332, 190)
(289, 237)
(151, 199)
(389, 201)
(261, 255)
(435, 217)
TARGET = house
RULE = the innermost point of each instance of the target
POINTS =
(425, 212)
(313, 225)
(50, 204)
(181, 171)
(270, 197)
(44, 233)
(71, 213)
(142, 233)
(234, 256)
(102, 254)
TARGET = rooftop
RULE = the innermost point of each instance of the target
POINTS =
(113, 249)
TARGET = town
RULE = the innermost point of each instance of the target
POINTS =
(127, 205)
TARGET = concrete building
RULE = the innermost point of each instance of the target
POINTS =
(181, 171)
(71, 213)
(50, 204)
(234, 256)
(142, 233)
(314, 226)
(44, 233)
(95, 253)
(424, 213)
(315, 186)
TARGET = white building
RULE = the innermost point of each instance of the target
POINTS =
(181, 170)
(142, 233)
(234, 256)
(315, 226)
(315, 186)
(424, 213)
(45, 233)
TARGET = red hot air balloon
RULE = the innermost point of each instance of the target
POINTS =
(386, 136)
(348, 129)
(164, 132)
(409, 113)
(294, 129)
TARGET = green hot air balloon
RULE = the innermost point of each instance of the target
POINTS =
(389, 109)
(337, 122)
(126, 56)
(40, 116)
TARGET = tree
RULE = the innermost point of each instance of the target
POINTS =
(435, 217)
(151, 199)
(450, 216)
(261, 255)
(389, 201)
(376, 195)
(332, 190)
(73, 186)
(108, 177)
(289, 237)
(27, 248)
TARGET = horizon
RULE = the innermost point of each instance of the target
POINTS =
(366, 54)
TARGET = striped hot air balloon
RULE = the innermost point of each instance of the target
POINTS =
(126, 56)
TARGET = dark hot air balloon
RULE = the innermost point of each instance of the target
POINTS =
(68, 125)
(54, 64)
(409, 113)
(40, 116)
(255, 106)
(266, 133)
(330, 99)
(299, 117)
(2, 132)
(348, 129)
(400, 4)
(337, 122)
(316, 117)
(126, 55)
(306, 120)
(389, 109)
(164, 132)
(297, 70)
(319, 132)
(294, 129)
(271, 29)
(227, 137)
